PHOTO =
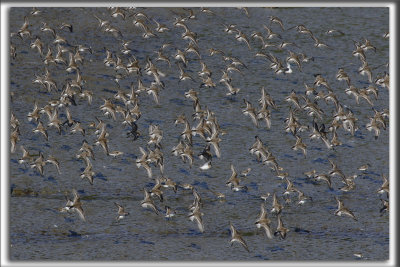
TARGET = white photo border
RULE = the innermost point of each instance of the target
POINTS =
(5, 115)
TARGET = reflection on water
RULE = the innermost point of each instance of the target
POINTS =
(39, 231)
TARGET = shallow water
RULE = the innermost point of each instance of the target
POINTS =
(39, 232)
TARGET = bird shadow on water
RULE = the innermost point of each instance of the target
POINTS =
(50, 179)
(101, 176)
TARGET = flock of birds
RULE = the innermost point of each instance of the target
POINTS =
(57, 52)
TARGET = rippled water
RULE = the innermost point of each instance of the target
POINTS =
(38, 231)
